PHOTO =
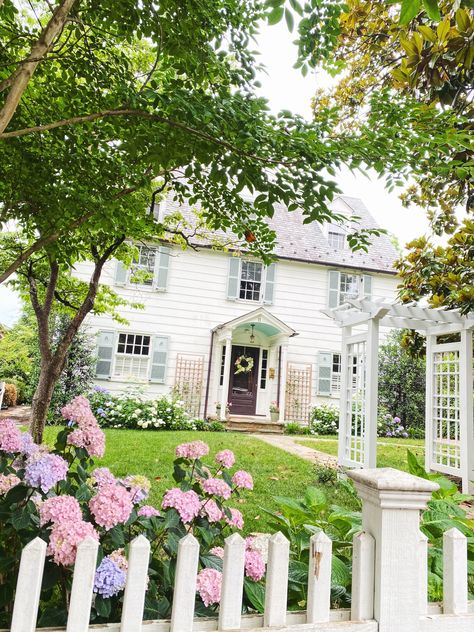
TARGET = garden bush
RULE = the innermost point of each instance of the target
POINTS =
(60, 496)
(10, 395)
(324, 420)
(294, 428)
(390, 426)
(133, 410)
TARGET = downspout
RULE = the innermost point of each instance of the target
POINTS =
(279, 376)
(206, 399)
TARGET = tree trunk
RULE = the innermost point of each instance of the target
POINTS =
(49, 375)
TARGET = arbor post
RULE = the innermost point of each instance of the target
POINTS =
(391, 504)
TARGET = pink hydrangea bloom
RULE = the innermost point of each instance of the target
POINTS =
(60, 509)
(147, 511)
(102, 476)
(91, 438)
(225, 458)
(79, 411)
(192, 450)
(118, 556)
(187, 504)
(112, 505)
(10, 437)
(254, 565)
(236, 520)
(216, 487)
(218, 551)
(243, 480)
(138, 486)
(7, 481)
(65, 538)
(210, 510)
(208, 585)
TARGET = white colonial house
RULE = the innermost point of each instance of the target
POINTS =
(225, 331)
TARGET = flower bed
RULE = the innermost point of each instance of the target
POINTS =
(133, 410)
(62, 497)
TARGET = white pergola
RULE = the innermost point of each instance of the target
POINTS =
(449, 379)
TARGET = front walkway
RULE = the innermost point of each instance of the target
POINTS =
(19, 414)
(289, 444)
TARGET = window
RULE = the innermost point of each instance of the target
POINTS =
(251, 273)
(348, 287)
(143, 269)
(336, 373)
(344, 286)
(336, 240)
(133, 356)
(263, 374)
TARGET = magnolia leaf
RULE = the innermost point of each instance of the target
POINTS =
(289, 20)
(432, 9)
(275, 16)
(409, 10)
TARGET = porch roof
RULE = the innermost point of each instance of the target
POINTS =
(263, 322)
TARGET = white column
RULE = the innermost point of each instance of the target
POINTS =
(391, 504)
(283, 372)
(371, 393)
(430, 341)
(345, 396)
(225, 383)
(465, 411)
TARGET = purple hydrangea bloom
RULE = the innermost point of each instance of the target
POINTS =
(45, 470)
(109, 578)
(101, 412)
(29, 447)
(100, 389)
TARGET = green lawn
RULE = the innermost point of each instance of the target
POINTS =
(274, 471)
(388, 455)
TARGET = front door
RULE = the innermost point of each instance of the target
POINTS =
(243, 385)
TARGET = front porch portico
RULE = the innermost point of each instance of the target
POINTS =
(260, 339)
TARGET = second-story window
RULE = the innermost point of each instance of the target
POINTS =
(143, 269)
(348, 287)
(337, 240)
(251, 274)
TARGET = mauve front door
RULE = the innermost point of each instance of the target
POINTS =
(243, 386)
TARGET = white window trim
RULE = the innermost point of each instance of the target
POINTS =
(120, 378)
(360, 285)
(340, 233)
(262, 283)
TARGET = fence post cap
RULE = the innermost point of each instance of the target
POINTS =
(390, 479)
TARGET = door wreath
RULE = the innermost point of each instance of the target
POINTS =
(243, 364)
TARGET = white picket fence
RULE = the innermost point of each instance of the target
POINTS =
(389, 576)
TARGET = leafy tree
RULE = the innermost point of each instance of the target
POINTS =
(402, 381)
(79, 369)
(17, 349)
(404, 83)
(119, 105)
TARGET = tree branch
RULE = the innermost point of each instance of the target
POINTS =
(86, 118)
(18, 81)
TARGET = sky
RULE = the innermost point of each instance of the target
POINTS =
(286, 88)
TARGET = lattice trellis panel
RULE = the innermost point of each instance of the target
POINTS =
(298, 393)
(188, 382)
(446, 447)
(355, 399)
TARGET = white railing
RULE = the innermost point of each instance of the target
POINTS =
(389, 576)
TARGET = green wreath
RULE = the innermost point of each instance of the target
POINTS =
(243, 368)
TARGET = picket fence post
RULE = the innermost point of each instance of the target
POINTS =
(28, 586)
(184, 596)
(135, 588)
(391, 504)
(319, 578)
(230, 608)
(363, 561)
(82, 586)
(276, 587)
(454, 572)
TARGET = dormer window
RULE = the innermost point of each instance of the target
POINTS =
(336, 239)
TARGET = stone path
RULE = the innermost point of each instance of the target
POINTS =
(288, 443)
(19, 414)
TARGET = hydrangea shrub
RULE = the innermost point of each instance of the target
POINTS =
(59, 495)
(133, 410)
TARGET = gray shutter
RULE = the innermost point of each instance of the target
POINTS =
(234, 278)
(367, 287)
(324, 373)
(159, 357)
(105, 352)
(333, 293)
(269, 284)
(120, 273)
(162, 264)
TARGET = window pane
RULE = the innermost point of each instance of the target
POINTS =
(251, 280)
(336, 240)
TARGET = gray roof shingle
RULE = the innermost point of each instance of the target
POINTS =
(306, 242)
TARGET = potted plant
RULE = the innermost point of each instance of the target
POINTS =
(274, 411)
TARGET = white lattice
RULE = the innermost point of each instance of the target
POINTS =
(298, 393)
(188, 383)
(354, 394)
(446, 411)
